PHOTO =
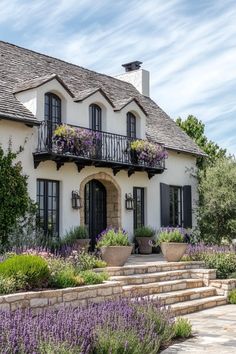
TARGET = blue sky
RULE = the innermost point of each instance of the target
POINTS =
(189, 46)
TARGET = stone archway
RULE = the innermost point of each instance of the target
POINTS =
(113, 198)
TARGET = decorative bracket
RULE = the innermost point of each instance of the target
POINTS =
(59, 164)
(130, 172)
(115, 170)
(36, 163)
(79, 167)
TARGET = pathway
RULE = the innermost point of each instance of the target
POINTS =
(215, 331)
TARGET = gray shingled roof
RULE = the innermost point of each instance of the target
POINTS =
(19, 66)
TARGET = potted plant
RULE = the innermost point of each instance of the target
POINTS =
(78, 238)
(143, 236)
(115, 246)
(173, 243)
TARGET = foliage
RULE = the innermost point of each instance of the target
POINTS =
(144, 231)
(196, 130)
(15, 202)
(78, 141)
(53, 348)
(85, 261)
(232, 275)
(144, 322)
(113, 237)
(215, 257)
(171, 234)
(74, 234)
(217, 211)
(34, 269)
(10, 284)
(148, 152)
(90, 277)
(182, 328)
(232, 297)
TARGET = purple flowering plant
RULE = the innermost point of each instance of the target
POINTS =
(74, 140)
(125, 325)
(149, 153)
(113, 236)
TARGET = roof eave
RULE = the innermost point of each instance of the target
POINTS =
(27, 121)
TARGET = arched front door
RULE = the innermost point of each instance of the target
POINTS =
(95, 209)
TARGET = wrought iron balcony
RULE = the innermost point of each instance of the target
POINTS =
(86, 147)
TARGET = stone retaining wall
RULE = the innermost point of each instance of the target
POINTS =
(223, 286)
(61, 297)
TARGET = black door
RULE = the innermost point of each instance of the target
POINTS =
(95, 209)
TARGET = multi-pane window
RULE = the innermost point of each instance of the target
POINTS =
(131, 125)
(175, 206)
(95, 117)
(48, 206)
(52, 108)
(138, 194)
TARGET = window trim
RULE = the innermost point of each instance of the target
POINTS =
(95, 111)
(180, 188)
(135, 223)
(45, 210)
(131, 120)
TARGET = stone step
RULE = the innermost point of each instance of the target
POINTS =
(183, 308)
(161, 287)
(152, 277)
(174, 297)
(151, 268)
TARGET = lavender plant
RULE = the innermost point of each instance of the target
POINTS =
(138, 326)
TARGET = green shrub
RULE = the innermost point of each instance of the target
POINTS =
(182, 328)
(170, 235)
(75, 233)
(224, 263)
(89, 277)
(34, 269)
(144, 231)
(232, 276)
(66, 279)
(113, 237)
(9, 285)
(99, 263)
(55, 348)
(232, 297)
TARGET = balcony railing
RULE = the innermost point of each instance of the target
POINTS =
(88, 147)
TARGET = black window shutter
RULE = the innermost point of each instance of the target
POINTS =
(187, 206)
(165, 204)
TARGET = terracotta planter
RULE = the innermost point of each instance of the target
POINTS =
(144, 245)
(82, 243)
(173, 251)
(116, 256)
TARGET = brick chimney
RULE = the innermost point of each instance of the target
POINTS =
(136, 76)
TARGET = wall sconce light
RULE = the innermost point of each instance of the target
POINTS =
(129, 201)
(75, 200)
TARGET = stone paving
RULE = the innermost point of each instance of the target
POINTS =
(215, 332)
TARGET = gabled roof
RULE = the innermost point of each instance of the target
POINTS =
(18, 65)
(82, 95)
(120, 104)
(39, 81)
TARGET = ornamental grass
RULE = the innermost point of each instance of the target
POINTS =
(138, 326)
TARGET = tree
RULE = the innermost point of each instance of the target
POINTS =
(14, 199)
(196, 130)
(217, 210)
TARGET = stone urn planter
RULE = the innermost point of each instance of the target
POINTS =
(173, 251)
(82, 243)
(116, 256)
(144, 244)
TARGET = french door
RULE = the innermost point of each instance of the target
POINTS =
(95, 209)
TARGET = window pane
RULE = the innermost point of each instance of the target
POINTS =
(175, 206)
(138, 194)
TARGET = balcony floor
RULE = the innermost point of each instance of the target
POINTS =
(81, 162)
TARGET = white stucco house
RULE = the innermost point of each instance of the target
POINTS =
(103, 184)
